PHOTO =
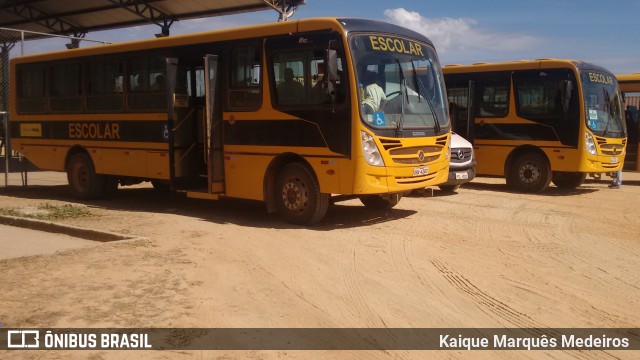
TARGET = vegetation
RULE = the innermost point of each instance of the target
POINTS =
(49, 212)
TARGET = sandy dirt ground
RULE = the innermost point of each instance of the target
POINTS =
(483, 257)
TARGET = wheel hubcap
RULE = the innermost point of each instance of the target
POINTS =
(529, 173)
(294, 195)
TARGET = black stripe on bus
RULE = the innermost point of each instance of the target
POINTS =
(538, 132)
(273, 133)
(125, 131)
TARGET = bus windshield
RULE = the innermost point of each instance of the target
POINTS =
(603, 107)
(401, 84)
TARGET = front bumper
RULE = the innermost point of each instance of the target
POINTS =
(460, 176)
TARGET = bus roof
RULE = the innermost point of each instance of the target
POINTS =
(545, 63)
(629, 82)
(254, 31)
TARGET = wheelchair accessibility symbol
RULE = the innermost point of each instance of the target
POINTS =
(378, 119)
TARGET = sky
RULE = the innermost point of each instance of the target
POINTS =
(463, 31)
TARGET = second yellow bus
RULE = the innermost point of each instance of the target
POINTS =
(539, 121)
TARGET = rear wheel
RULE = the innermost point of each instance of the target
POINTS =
(381, 202)
(530, 173)
(84, 182)
(568, 180)
(298, 196)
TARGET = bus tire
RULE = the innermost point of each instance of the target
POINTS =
(381, 202)
(161, 186)
(298, 196)
(449, 188)
(568, 180)
(530, 173)
(84, 182)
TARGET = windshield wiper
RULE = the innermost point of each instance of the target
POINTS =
(607, 101)
(403, 94)
(419, 84)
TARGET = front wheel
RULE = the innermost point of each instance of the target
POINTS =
(381, 202)
(568, 180)
(449, 188)
(84, 182)
(530, 173)
(298, 196)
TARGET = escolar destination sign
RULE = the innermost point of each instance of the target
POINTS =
(396, 45)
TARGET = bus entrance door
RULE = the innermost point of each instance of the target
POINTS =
(213, 127)
(462, 109)
(181, 129)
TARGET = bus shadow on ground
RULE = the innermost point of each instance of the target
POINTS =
(551, 191)
(608, 181)
(224, 211)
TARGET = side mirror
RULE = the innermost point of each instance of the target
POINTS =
(332, 65)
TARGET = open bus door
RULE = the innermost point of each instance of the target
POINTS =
(181, 129)
(462, 111)
(214, 156)
(631, 160)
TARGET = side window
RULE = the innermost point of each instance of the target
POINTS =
(245, 78)
(30, 83)
(104, 85)
(288, 70)
(539, 94)
(494, 92)
(65, 93)
(300, 79)
(147, 83)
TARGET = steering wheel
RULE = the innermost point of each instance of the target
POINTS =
(392, 93)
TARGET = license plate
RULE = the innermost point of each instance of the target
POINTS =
(613, 160)
(462, 175)
(420, 171)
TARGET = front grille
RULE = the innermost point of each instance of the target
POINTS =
(612, 149)
(465, 152)
(609, 166)
(407, 180)
(411, 155)
(442, 141)
(389, 144)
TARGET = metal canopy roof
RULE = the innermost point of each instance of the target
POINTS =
(78, 17)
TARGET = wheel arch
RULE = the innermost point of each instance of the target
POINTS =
(76, 149)
(271, 174)
(519, 151)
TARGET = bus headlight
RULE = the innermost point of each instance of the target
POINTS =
(591, 144)
(370, 150)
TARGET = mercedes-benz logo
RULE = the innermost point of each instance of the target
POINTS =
(460, 154)
(421, 155)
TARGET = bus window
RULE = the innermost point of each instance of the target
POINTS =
(65, 89)
(300, 79)
(244, 88)
(495, 96)
(30, 83)
(147, 78)
(104, 85)
(289, 75)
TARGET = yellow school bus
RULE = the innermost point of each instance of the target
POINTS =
(630, 88)
(539, 121)
(272, 112)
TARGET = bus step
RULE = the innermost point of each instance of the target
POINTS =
(202, 193)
